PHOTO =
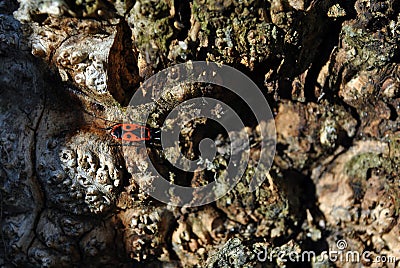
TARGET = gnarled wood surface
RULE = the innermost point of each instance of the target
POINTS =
(69, 198)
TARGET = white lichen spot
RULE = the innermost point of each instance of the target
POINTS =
(96, 79)
(328, 135)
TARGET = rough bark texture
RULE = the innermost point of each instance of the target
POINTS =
(330, 70)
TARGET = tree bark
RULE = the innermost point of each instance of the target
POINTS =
(70, 197)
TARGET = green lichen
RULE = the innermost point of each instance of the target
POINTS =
(90, 8)
(151, 28)
(241, 32)
(369, 50)
(359, 165)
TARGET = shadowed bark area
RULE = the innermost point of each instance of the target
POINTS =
(70, 197)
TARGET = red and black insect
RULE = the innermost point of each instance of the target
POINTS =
(131, 133)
